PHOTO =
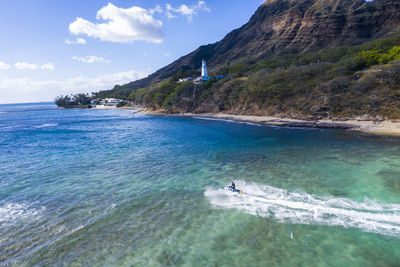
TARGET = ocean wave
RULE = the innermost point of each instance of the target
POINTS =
(46, 125)
(10, 127)
(11, 212)
(226, 120)
(26, 127)
(303, 208)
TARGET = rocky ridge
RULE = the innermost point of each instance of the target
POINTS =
(292, 26)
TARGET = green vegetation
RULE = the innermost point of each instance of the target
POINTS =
(341, 82)
(73, 101)
(122, 104)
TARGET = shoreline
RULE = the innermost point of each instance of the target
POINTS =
(386, 127)
(114, 107)
(103, 107)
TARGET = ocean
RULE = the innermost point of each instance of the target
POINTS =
(114, 188)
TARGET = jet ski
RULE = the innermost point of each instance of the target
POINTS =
(228, 188)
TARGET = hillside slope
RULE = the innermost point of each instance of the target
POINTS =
(291, 26)
(302, 59)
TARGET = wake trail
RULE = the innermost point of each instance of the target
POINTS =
(302, 208)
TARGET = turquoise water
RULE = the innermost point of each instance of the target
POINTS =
(111, 188)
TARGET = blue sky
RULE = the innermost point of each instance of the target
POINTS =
(50, 48)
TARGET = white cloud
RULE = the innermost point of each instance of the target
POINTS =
(158, 9)
(28, 90)
(186, 11)
(121, 26)
(167, 54)
(25, 66)
(77, 41)
(106, 81)
(4, 66)
(48, 66)
(169, 11)
(91, 59)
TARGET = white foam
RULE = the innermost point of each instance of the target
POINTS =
(7, 127)
(46, 125)
(302, 208)
(226, 120)
(249, 123)
(10, 212)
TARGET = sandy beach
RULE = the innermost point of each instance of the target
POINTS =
(134, 108)
(103, 107)
(386, 127)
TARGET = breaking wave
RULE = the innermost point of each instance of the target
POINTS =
(302, 208)
(46, 125)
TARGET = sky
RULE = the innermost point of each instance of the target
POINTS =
(50, 48)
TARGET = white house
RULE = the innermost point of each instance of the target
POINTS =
(112, 101)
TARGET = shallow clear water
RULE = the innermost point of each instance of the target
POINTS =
(107, 187)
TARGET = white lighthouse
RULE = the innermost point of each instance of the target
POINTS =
(204, 75)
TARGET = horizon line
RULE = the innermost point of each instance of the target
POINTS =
(21, 103)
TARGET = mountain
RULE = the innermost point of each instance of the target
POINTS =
(292, 26)
(294, 58)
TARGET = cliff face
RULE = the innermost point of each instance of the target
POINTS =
(292, 26)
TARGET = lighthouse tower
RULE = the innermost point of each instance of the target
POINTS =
(204, 75)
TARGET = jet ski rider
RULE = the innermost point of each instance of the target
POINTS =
(233, 185)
